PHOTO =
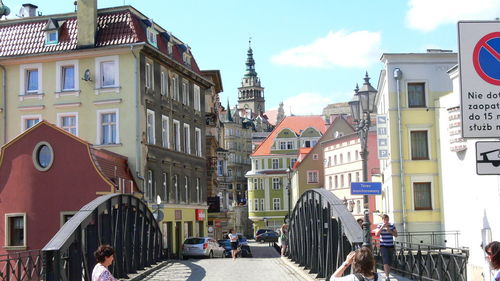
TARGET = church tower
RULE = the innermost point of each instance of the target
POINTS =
(251, 94)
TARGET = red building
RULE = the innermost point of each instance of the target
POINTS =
(46, 176)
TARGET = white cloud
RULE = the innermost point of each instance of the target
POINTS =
(427, 15)
(356, 49)
(306, 104)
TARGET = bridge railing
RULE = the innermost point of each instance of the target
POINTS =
(442, 238)
(25, 265)
(120, 220)
(427, 262)
(322, 232)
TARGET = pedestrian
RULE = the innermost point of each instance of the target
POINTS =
(284, 239)
(360, 222)
(363, 263)
(104, 256)
(387, 231)
(493, 252)
(233, 238)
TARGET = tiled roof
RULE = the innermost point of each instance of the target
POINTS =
(114, 28)
(114, 167)
(294, 123)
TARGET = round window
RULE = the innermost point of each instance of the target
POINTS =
(43, 156)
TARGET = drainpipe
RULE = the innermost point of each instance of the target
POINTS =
(137, 122)
(4, 70)
(398, 74)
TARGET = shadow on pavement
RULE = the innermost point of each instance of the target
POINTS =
(197, 272)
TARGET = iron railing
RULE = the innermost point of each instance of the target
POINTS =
(121, 220)
(322, 232)
(428, 262)
(441, 238)
(21, 266)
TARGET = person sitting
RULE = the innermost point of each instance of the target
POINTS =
(363, 263)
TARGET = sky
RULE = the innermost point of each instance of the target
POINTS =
(307, 54)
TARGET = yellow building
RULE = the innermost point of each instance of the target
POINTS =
(409, 87)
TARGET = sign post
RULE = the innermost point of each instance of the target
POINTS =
(479, 62)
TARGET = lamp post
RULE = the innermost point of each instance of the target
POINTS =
(362, 105)
(289, 187)
(158, 205)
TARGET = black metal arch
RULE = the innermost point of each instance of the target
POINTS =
(120, 220)
(322, 232)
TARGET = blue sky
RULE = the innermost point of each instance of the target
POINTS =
(308, 53)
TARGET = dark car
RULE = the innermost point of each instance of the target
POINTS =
(226, 244)
(271, 236)
(260, 231)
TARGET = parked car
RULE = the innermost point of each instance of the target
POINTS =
(201, 247)
(271, 236)
(260, 231)
(226, 244)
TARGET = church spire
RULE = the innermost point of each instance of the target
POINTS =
(250, 63)
(228, 112)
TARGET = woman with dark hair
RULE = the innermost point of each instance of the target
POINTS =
(363, 263)
(493, 252)
(104, 256)
(233, 238)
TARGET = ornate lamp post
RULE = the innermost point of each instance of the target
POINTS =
(362, 105)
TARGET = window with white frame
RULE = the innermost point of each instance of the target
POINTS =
(198, 191)
(150, 126)
(255, 184)
(276, 183)
(165, 187)
(220, 168)
(67, 76)
(107, 127)
(152, 36)
(341, 158)
(176, 188)
(261, 184)
(176, 138)
(330, 182)
(276, 204)
(348, 156)
(197, 97)
(256, 204)
(419, 145)
(229, 172)
(416, 95)
(276, 163)
(149, 185)
(197, 142)
(186, 188)
(68, 121)
(422, 195)
(15, 232)
(28, 121)
(165, 128)
(357, 177)
(187, 139)
(175, 86)
(256, 164)
(185, 92)
(148, 75)
(349, 179)
(30, 79)
(312, 176)
(51, 37)
(342, 181)
(107, 70)
(336, 181)
(262, 206)
(164, 82)
(356, 155)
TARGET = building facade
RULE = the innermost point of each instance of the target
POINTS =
(410, 86)
(267, 180)
(135, 90)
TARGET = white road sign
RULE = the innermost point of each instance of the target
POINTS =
(479, 62)
(488, 157)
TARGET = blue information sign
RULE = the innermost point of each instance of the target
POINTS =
(366, 188)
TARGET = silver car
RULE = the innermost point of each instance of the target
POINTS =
(201, 247)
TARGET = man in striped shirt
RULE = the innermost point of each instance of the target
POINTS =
(387, 231)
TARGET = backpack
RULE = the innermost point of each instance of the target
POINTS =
(361, 278)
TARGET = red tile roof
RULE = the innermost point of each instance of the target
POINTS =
(294, 123)
(114, 167)
(114, 28)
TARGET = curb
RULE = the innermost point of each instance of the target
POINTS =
(141, 275)
(300, 270)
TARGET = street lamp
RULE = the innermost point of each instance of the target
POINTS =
(289, 197)
(362, 105)
(158, 205)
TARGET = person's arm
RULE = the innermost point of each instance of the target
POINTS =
(348, 261)
(378, 230)
(394, 232)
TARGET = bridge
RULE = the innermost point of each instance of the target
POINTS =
(322, 233)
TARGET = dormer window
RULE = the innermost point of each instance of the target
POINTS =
(169, 48)
(186, 58)
(152, 37)
(51, 37)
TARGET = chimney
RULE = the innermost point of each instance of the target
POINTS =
(28, 10)
(87, 23)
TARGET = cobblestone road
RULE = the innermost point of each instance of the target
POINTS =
(266, 265)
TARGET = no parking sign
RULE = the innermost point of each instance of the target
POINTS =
(479, 62)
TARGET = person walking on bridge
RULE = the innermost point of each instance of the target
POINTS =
(493, 252)
(363, 264)
(104, 256)
(233, 238)
(387, 231)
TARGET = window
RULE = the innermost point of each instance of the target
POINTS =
(197, 142)
(262, 204)
(357, 177)
(165, 187)
(220, 168)
(28, 121)
(107, 72)
(108, 127)
(149, 186)
(67, 76)
(198, 191)
(165, 131)
(416, 94)
(356, 155)
(256, 164)
(16, 230)
(261, 184)
(186, 188)
(150, 126)
(419, 145)
(335, 159)
(197, 97)
(164, 82)
(312, 176)
(341, 158)
(30, 79)
(187, 139)
(349, 179)
(68, 122)
(342, 181)
(185, 92)
(282, 145)
(176, 188)
(329, 163)
(177, 135)
(348, 157)
(255, 184)
(43, 156)
(175, 85)
(152, 37)
(51, 37)
(330, 182)
(276, 183)
(307, 144)
(276, 204)
(256, 204)
(336, 181)
(229, 172)
(148, 75)
(276, 163)
(315, 157)
(422, 195)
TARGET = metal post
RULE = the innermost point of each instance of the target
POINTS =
(289, 196)
(363, 128)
